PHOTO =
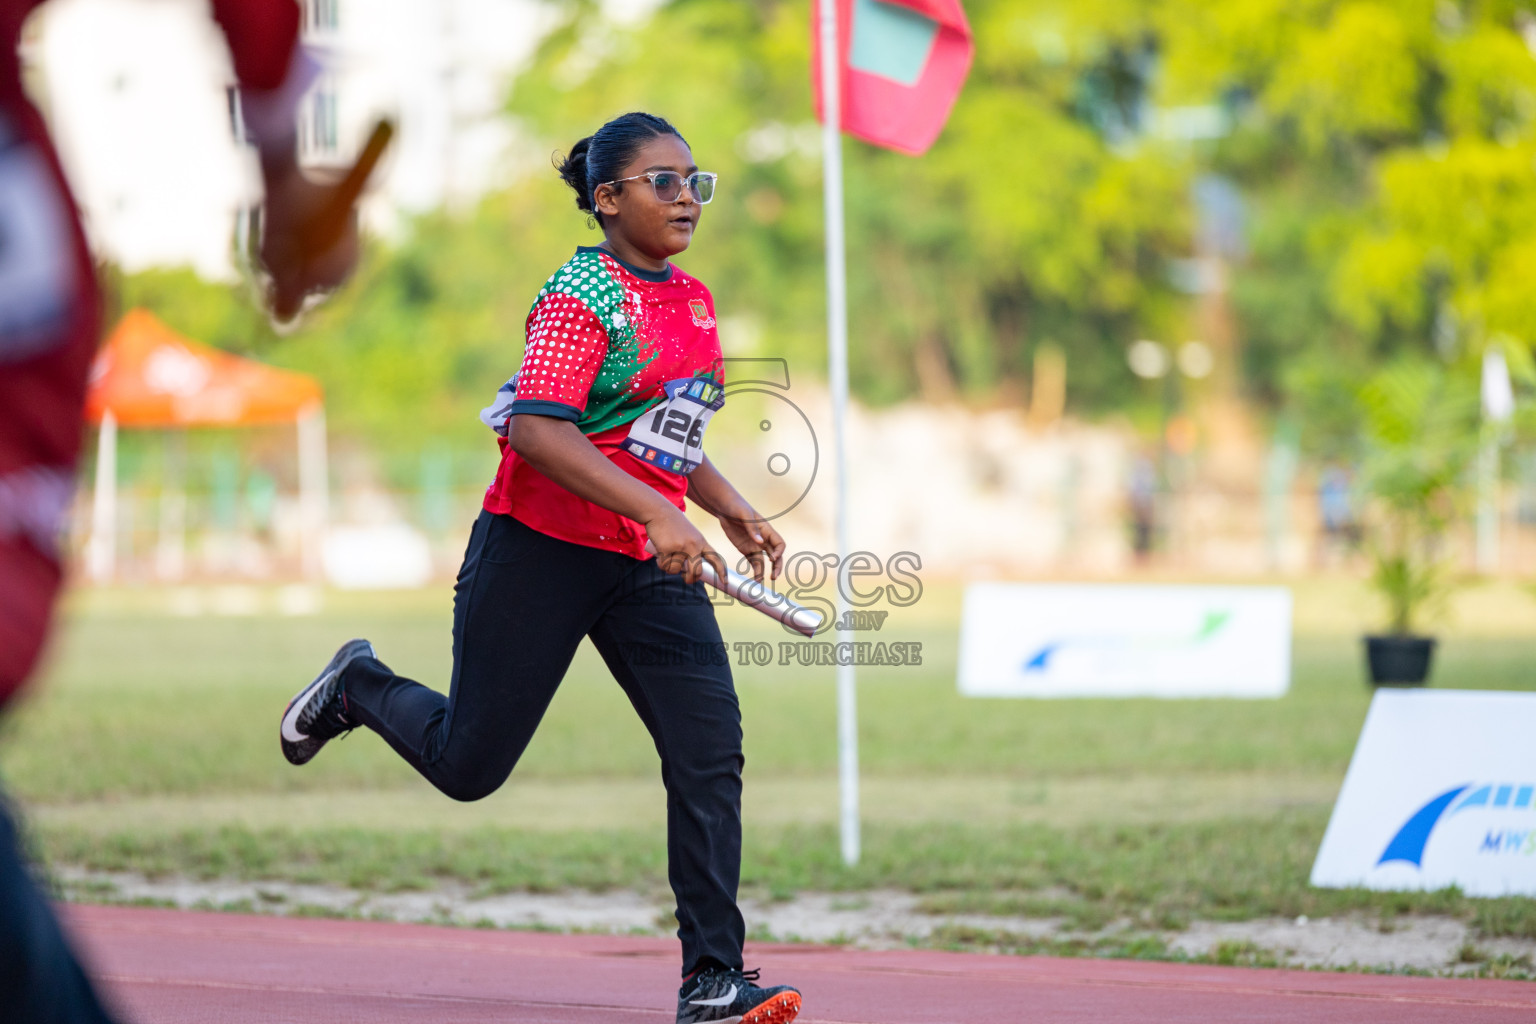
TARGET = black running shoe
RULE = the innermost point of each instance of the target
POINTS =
(319, 712)
(731, 997)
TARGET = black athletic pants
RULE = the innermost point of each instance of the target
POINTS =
(522, 603)
(40, 980)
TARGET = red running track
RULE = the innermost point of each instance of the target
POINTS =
(178, 967)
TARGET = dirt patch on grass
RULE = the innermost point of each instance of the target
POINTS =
(874, 920)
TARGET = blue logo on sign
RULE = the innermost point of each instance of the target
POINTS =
(1211, 625)
(1409, 842)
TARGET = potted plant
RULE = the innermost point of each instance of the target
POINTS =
(1420, 423)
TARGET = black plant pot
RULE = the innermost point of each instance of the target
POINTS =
(1399, 660)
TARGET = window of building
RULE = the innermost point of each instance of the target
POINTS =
(321, 15)
(317, 122)
(236, 120)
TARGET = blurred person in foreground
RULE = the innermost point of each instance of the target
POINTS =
(50, 325)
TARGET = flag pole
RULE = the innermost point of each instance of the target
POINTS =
(837, 382)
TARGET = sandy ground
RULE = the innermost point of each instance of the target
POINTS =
(871, 920)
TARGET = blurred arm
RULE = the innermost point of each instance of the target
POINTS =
(274, 73)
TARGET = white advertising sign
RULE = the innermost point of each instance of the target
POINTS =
(1111, 640)
(1441, 791)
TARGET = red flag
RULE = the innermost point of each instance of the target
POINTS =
(903, 63)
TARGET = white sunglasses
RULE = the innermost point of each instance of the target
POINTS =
(669, 184)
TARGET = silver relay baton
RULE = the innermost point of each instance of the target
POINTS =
(764, 598)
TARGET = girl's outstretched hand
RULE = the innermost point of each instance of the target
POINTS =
(756, 538)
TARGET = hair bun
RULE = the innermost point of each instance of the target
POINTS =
(602, 156)
(573, 171)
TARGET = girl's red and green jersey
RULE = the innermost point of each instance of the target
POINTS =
(632, 357)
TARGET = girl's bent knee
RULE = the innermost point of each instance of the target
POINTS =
(467, 791)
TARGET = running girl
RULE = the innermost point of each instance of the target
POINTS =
(602, 437)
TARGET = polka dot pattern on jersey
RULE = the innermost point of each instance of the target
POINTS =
(589, 342)
(602, 343)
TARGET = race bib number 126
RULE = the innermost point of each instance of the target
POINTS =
(672, 434)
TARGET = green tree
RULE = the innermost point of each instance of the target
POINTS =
(1387, 149)
(1022, 225)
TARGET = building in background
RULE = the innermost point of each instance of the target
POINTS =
(138, 94)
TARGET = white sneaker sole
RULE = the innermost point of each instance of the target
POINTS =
(288, 730)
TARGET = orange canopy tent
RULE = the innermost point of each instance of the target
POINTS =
(147, 375)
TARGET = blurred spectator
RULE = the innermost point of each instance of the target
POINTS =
(1336, 509)
(1142, 500)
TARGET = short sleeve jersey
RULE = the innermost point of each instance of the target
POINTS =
(604, 341)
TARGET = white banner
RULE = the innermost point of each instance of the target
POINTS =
(1441, 791)
(1112, 640)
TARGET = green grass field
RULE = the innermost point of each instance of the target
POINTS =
(150, 745)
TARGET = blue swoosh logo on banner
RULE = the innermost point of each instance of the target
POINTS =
(1210, 625)
(1408, 845)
